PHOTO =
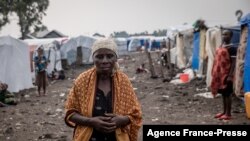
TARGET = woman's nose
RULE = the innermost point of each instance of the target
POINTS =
(105, 59)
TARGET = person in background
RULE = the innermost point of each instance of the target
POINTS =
(6, 97)
(222, 72)
(41, 66)
(102, 104)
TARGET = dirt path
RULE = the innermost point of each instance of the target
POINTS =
(42, 118)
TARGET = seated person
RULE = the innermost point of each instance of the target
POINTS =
(5, 96)
(58, 75)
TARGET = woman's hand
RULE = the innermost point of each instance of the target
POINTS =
(103, 124)
(118, 119)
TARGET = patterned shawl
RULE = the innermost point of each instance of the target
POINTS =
(81, 99)
(220, 70)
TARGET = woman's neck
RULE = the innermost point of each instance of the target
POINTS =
(104, 77)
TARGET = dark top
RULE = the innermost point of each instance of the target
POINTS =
(40, 63)
(102, 105)
(232, 51)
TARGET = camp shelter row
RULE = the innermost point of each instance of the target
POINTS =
(16, 57)
(196, 49)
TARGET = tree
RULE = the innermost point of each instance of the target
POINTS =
(29, 12)
(120, 34)
(4, 12)
(160, 32)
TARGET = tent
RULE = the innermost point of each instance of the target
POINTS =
(184, 47)
(134, 44)
(199, 50)
(15, 65)
(213, 41)
(52, 53)
(121, 45)
(246, 21)
(51, 50)
(69, 49)
(196, 50)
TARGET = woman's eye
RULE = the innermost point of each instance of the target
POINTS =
(110, 56)
(99, 56)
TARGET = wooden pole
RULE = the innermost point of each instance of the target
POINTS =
(161, 64)
(151, 67)
(169, 58)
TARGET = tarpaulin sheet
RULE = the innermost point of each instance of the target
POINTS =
(196, 50)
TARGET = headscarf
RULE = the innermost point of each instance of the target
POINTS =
(106, 43)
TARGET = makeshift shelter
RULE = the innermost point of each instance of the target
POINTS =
(80, 45)
(200, 48)
(15, 65)
(51, 51)
(213, 41)
(196, 50)
(246, 21)
(184, 47)
(121, 45)
(181, 37)
(136, 43)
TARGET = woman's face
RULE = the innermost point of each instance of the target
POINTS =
(40, 52)
(104, 60)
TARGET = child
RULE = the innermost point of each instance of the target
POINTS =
(222, 72)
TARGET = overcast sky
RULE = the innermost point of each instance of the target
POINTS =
(76, 17)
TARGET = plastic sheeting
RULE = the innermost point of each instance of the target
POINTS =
(247, 64)
(69, 49)
(53, 54)
(202, 53)
(240, 61)
(121, 45)
(134, 44)
(181, 58)
(196, 50)
(246, 76)
(213, 41)
(15, 64)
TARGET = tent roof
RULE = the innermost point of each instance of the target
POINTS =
(44, 41)
(8, 40)
(245, 19)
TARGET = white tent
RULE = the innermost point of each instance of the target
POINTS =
(51, 50)
(15, 64)
(136, 42)
(121, 45)
(69, 49)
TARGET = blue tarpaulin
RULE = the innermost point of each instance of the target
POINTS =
(246, 76)
(236, 37)
(196, 51)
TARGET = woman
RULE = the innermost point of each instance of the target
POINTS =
(102, 104)
(40, 65)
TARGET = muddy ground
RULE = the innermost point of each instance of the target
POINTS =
(42, 118)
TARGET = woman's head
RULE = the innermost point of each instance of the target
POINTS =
(104, 53)
(40, 51)
(227, 35)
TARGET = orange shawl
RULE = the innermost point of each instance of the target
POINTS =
(81, 99)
